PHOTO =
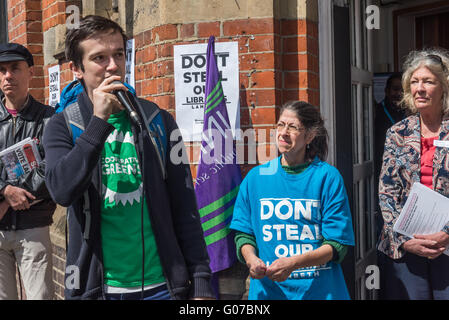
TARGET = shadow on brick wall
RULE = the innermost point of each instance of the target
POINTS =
(57, 235)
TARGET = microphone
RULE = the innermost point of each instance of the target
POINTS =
(124, 100)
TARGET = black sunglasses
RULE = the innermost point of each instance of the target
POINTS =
(437, 59)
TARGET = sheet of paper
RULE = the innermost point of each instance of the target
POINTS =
(424, 212)
(190, 83)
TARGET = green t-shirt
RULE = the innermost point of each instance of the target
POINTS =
(121, 212)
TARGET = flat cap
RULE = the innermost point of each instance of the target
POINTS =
(15, 52)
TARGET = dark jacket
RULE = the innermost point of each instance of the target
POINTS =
(30, 122)
(72, 169)
(382, 122)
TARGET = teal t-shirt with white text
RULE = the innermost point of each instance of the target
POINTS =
(291, 214)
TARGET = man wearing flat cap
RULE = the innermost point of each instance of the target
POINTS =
(26, 208)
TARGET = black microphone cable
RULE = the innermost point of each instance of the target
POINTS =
(140, 150)
(135, 119)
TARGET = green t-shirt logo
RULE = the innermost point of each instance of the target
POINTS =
(121, 170)
(121, 212)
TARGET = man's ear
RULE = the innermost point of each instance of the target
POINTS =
(31, 71)
(75, 70)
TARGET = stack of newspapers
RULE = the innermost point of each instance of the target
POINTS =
(21, 158)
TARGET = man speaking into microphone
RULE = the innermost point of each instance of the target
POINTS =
(134, 229)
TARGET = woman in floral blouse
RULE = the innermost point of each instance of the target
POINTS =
(416, 268)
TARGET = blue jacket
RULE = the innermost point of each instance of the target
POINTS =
(73, 169)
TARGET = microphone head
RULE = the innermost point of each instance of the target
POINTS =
(121, 94)
(118, 90)
(116, 82)
(124, 100)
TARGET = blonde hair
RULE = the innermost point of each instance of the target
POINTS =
(434, 59)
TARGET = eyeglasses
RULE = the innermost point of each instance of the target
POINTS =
(437, 58)
(290, 127)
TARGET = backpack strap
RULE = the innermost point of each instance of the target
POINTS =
(75, 125)
(153, 121)
(156, 130)
(69, 95)
(74, 120)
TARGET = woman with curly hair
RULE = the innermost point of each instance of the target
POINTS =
(416, 268)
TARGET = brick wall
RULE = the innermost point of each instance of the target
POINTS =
(300, 61)
(54, 16)
(278, 60)
(25, 27)
(53, 13)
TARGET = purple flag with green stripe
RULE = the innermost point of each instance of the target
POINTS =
(218, 175)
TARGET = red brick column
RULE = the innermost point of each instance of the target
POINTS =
(300, 61)
(260, 80)
(54, 14)
(25, 27)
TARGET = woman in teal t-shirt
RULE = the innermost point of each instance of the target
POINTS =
(292, 217)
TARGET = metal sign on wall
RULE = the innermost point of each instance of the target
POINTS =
(190, 82)
(53, 85)
(130, 62)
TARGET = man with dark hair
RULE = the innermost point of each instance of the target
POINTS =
(26, 208)
(387, 113)
(92, 25)
(138, 234)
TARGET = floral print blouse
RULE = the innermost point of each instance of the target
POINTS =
(401, 167)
